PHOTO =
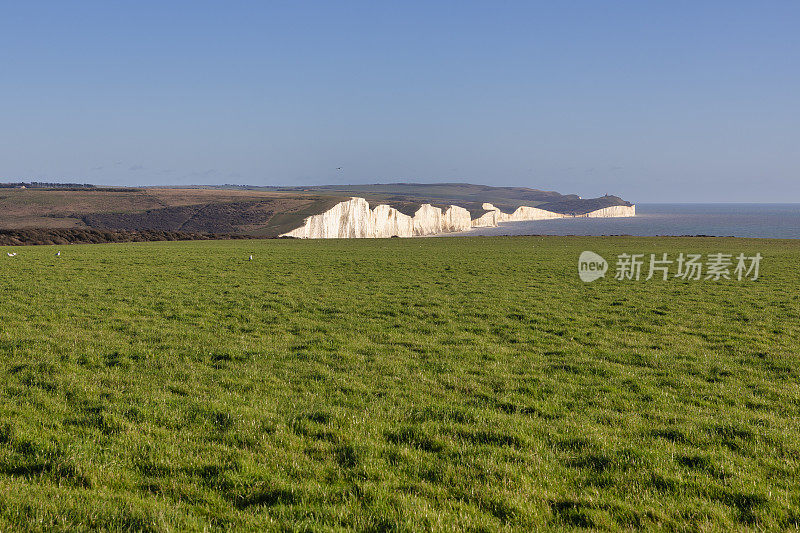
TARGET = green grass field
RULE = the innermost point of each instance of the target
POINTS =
(420, 384)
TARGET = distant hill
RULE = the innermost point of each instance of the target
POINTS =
(219, 211)
(407, 197)
(404, 196)
(582, 206)
(253, 211)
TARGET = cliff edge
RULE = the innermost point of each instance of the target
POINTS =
(353, 219)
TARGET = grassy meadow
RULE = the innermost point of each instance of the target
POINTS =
(441, 384)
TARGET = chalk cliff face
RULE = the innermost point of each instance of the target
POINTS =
(612, 211)
(354, 219)
(345, 219)
(389, 221)
(456, 219)
(494, 216)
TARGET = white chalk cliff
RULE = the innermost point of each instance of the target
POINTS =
(354, 219)
(494, 216)
(612, 212)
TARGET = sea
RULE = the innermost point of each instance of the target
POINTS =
(776, 221)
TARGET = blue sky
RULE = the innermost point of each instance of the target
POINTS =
(654, 101)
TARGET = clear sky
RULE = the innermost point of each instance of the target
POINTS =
(653, 101)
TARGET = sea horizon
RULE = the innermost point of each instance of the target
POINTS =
(671, 219)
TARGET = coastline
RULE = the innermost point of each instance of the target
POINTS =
(760, 221)
(355, 219)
